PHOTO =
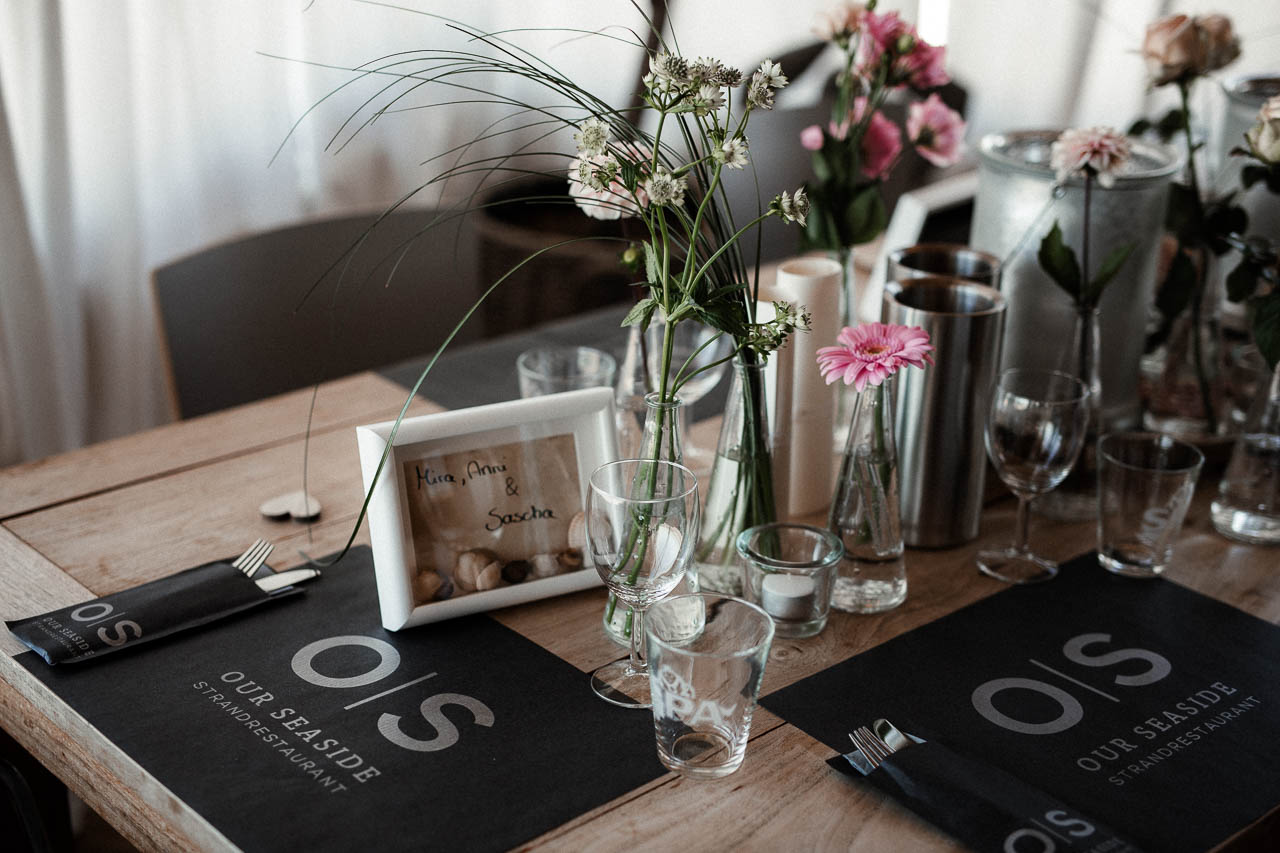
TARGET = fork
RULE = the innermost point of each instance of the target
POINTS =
(252, 559)
(871, 746)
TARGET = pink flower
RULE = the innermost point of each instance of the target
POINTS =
(1099, 150)
(912, 60)
(811, 138)
(871, 352)
(881, 145)
(936, 130)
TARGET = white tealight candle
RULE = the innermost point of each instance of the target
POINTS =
(786, 596)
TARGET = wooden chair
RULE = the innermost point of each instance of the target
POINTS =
(271, 312)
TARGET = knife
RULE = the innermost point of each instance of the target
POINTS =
(280, 580)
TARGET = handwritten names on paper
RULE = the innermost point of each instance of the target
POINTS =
(512, 502)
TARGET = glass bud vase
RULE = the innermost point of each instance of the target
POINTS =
(739, 493)
(1076, 498)
(1247, 508)
(662, 439)
(865, 513)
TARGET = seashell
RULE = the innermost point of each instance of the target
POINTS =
(515, 571)
(578, 531)
(571, 560)
(470, 566)
(490, 576)
(544, 565)
(429, 586)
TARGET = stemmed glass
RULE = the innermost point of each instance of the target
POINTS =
(642, 524)
(1035, 429)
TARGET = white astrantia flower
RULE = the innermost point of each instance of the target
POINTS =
(669, 66)
(772, 72)
(792, 208)
(592, 137)
(709, 99)
(665, 188)
(759, 95)
(732, 153)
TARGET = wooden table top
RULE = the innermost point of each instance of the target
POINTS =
(106, 517)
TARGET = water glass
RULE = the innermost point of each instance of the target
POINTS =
(1145, 483)
(788, 569)
(707, 655)
(549, 370)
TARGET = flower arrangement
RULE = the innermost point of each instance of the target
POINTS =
(859, 147)
(1178, 51)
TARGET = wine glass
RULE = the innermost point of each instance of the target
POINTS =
(1035, 429)
(642, 524)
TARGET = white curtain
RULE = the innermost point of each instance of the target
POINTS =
(133, 132)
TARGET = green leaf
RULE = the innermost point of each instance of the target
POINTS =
(1170, 123)
(1179, 284)
(821, 167)
(1266, 327)
(1222, 219)
(1139, 127)
(1181, 215)
(1059, 262)
(641, 313)
(1251, 174)
(652, 269)
(1243, 280)
(865, 217)
(1110, 266)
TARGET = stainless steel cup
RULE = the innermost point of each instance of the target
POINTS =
(953, 260)
(941, 410)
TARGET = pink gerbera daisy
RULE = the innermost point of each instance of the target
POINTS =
(871, 352)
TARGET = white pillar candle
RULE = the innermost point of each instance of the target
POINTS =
(812, 282)
(787, 596)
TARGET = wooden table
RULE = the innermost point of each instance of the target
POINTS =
(106, 517)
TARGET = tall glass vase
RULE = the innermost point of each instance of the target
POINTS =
(845, 395)
(1076, 499)
(1247, 508)
(865, 513)
(740, 491)
(662, 439)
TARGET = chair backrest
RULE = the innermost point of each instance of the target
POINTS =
(271, 312)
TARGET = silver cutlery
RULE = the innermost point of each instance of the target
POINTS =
(252, 559)
(873, 749)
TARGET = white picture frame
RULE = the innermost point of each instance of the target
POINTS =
(587, 415)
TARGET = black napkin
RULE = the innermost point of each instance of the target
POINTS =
(981, 805)
(156, 609)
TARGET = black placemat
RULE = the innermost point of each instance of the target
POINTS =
(1175, 760)
(456, 735)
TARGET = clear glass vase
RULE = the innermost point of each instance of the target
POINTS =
(662, 438)
(739, 493)
(865, 513)
(1247, 508)
(1076, 498)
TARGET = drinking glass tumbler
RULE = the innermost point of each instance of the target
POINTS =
(1145, 484)
(707, 655)
(788, 569)
(549, 370)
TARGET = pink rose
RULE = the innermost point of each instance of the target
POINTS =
(936, 131)
(912, 60)
(811, 138)
(1172, 49)
(1221, 47)
(880, 147)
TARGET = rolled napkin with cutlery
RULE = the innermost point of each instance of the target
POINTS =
(122, 620)
(981, 805)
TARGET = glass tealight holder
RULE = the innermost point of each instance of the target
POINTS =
(788, 570)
